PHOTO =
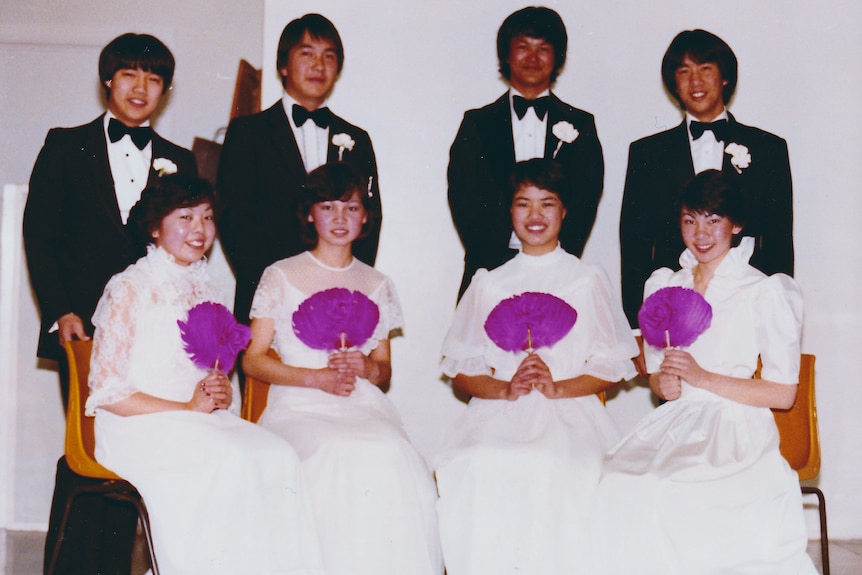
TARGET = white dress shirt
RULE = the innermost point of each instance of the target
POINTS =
(707, 153)
(130, 168)
(312, 140)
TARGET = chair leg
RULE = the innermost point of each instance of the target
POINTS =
(144, 518)
(824, 537)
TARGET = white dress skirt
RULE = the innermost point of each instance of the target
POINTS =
(517, 478)
(699, 487)
(372, 493)
(224, 496)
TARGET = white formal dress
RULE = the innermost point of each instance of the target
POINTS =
(700, 487)
(516, 478)
(224, 496)
(373, 494)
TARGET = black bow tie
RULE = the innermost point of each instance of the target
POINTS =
(521, 105)
(718, 129)
(319, 116)
(141, 135)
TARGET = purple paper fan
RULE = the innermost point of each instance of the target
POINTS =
(212, 337)
(678, 312)
(529, 321)
(320, 320)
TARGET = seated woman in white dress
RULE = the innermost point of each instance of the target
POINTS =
(700, 487)
(224, 496)
(373, 495)
(518, 474)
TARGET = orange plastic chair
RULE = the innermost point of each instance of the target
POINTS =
(80, 449)
(255, 395)
(800, 443)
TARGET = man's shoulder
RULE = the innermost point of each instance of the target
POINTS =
(64, 134)
(489, 109)
(658, 139)
(568, 110)
(754, 133)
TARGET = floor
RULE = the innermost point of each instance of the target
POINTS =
(21, 554)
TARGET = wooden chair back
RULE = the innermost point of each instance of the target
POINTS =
(255, 395)
(797, 426)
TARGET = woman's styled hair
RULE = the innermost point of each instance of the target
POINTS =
(703, 47)
(166, 194)
(534, 22)
(336, 181)
(318, 27)
(133, 51)
(712, 192)
(542, 173)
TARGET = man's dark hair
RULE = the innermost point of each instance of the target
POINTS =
(133, 51)
(702, 47)
(534, 22)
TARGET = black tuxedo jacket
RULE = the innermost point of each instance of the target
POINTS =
(261, 178)
(74, 236)
(659, 168)
(480, 162)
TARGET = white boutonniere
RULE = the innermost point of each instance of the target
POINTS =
(344, 142)
(739, 156)
(164, 166)
(565, 133)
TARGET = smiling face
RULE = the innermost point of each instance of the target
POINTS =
(531, 61)
(311, 71)
(187, 233)
(707, 236)
(700, 88)
(134, 95)
(537, 216)
(338, 222)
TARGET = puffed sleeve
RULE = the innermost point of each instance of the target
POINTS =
(779, 328)
(612, 346)
(115, 321)
(465, 344)
(658, 279)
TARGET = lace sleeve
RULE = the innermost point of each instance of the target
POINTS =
(270, 296)
(112, 344)
(391, 318)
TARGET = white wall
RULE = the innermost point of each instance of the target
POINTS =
(411, 70)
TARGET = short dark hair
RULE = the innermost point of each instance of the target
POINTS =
(713, 192)
(163, 196)
(542, 173)
(135, 51)
(703, 47)
(534, 22)
(318, 27)
(331, 182)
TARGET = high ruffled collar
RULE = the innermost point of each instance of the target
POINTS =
(166, 262)
(734, 263)
(551, 258)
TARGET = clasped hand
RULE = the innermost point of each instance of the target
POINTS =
(342, 369)
(211, 393)
(533, 373)
(676, 366)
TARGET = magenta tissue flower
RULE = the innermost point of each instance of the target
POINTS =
(327, 317)
(674, 313)
(212, 337)
(529, 321)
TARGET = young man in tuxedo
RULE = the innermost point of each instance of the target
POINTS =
(267, 156)
(83, 185)
(526, 122)
(700, 70)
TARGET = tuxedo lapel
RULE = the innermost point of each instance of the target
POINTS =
(679, 147)
(495, 128)
(283, 140)
(556, 113)
(99, 168)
